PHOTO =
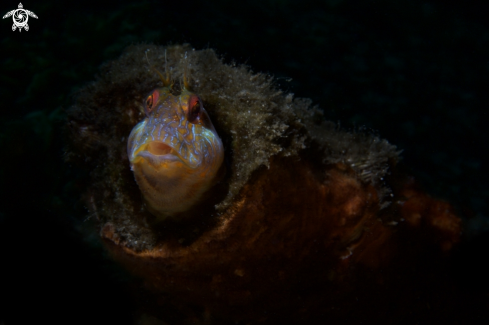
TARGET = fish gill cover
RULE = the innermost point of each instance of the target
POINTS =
(254, 119)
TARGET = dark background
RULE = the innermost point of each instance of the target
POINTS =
(414, 72)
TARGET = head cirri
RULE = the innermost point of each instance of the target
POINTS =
(175, 152)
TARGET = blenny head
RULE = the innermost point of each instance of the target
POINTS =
(175, 152)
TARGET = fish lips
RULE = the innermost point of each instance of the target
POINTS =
(158, 153)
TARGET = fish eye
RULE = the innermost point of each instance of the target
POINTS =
(194, 107)
(151, 101)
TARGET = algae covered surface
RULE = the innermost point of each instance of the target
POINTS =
(256, 121)
(413, 71)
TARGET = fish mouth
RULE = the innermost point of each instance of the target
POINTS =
(158, 148)
(157, 152)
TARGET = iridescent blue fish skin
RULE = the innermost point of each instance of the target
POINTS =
(175, 152)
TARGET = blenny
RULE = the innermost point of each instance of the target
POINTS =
(175, 152)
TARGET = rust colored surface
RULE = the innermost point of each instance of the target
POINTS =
(437, 218)
(300, 249)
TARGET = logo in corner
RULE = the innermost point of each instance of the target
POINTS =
(20, 17)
